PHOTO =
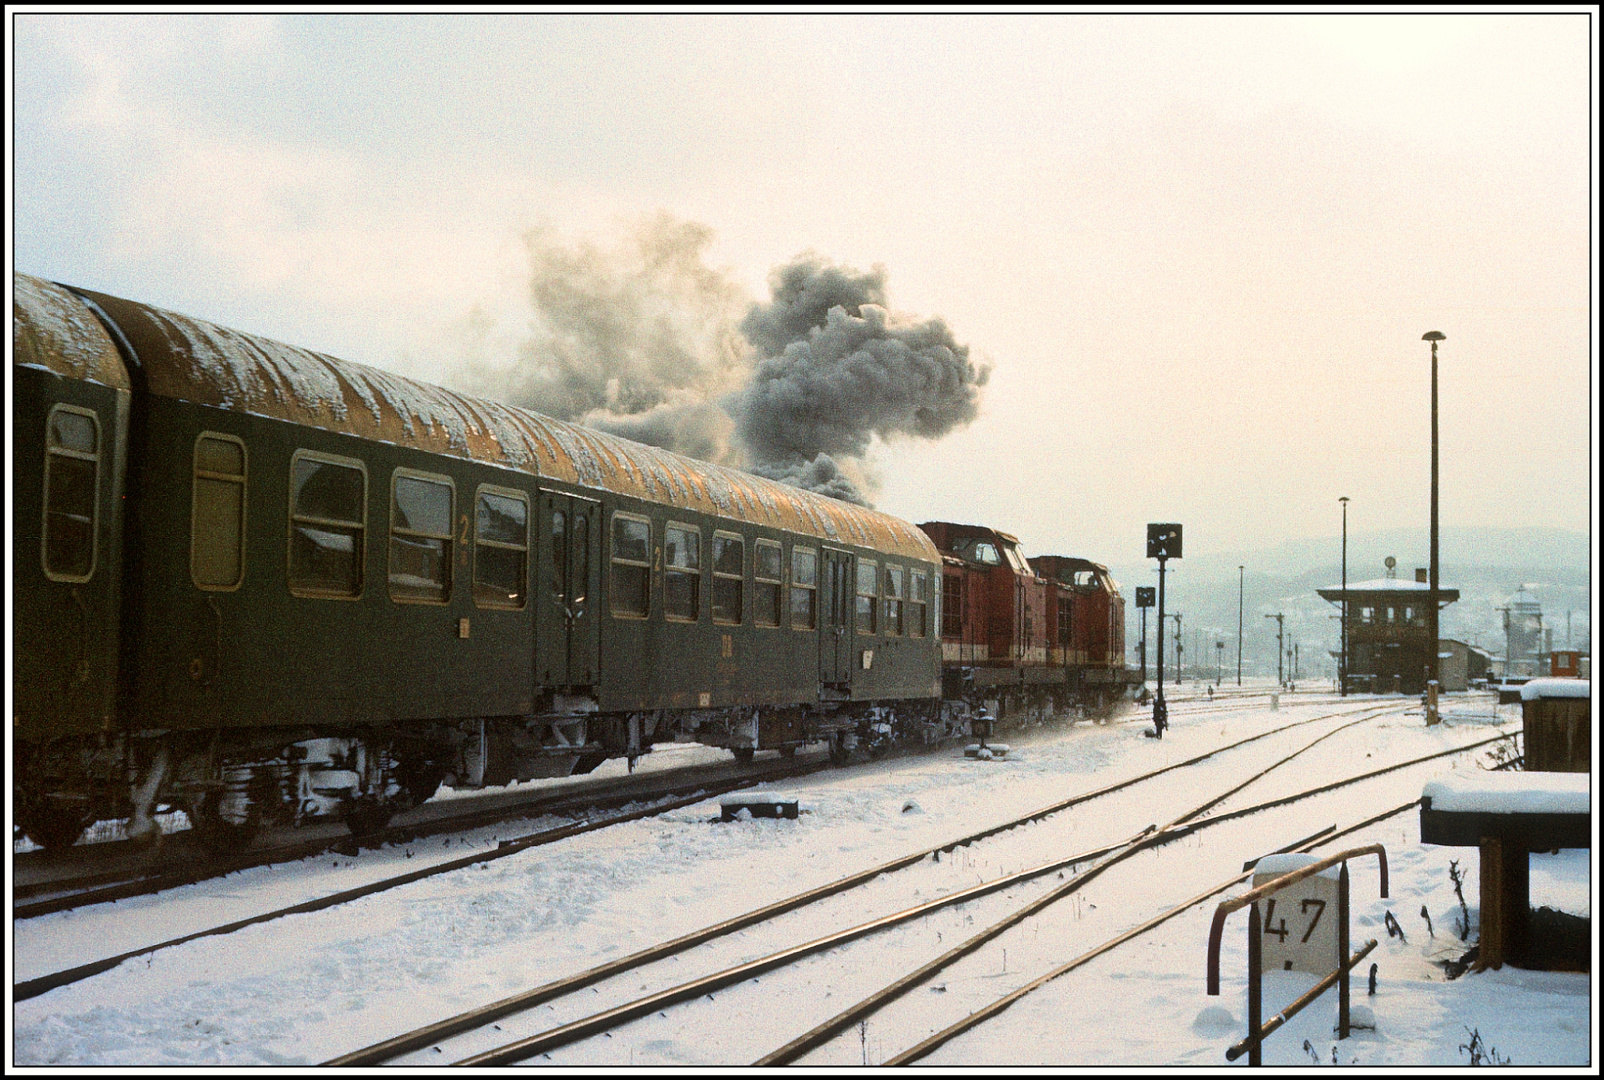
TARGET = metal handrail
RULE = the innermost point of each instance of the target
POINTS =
(1258, 1032)
(1217, 927)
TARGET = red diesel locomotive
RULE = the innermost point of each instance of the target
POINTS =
(1026, 638)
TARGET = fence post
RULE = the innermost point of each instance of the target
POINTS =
(1255, 988)
(1342, 952)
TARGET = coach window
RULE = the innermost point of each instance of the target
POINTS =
(72, 476)
(804, 588)
(918, 598)
(501, 549)
(868, 596)
(217, 513)
(328, 524)
(729, 568)
(421, 511)
(682, 573)
(894, 599)
(767, 583)
(632, 566)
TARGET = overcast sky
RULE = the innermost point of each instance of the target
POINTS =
(1198, 252)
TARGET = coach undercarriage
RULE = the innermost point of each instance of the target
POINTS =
(232, 782)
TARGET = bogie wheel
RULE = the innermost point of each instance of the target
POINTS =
(54, 822)
(365, 817)
(743, 754)
(838, 749)
(418, 779)
(224, 821)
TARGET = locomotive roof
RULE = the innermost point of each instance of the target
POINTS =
(185, 358)
(51, 329)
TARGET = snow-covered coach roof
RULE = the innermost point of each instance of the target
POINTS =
(197, 361)
(52, 329)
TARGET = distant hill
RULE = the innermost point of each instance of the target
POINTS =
(1485, 565)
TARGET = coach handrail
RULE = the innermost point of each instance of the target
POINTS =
(1217, 928)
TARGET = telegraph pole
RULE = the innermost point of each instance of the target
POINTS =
(1280, 654)
(1239, 580)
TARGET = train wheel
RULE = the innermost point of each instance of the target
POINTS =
(743, 754)
(419, 779)
(838, 749)
(365, 817)
(54, 822)
(225, 821)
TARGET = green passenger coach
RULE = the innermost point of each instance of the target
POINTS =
(264, 583)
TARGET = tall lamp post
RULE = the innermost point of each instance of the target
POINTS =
(1432, 641)
(1239, 580)
(1219, 662)
(1163, 544)
(1342, 663)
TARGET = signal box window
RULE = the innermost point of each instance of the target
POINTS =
(729, 568)
(804, 588)
(868, 598)
(501, 550)
(682, 573)
(894, 599)
(767, 584)
(217, 513)
(328, 515)
(632, 566)
(420, 538)
(72, 476)
(918, 603)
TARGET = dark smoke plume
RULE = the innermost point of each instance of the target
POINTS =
(835, 368)
(649, 343)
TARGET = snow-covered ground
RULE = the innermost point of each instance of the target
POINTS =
(303, 989)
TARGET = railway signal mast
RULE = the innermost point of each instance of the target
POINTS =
(1163, 544)
(1144, 600)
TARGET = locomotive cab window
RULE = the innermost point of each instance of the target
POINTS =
(868, 596)
(328, 524)
(682, 573)
(217, 513)
(501, 549)
(72, 477)
(767, 583)
(729, 569)
(631, 566)
(804, 588)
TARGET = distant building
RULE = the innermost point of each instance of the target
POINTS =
(1462, 664)
(1389, 645)
(1524, 652)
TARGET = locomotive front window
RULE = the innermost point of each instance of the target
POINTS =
(804, 588)
(632, 567)
(501, 550)
(767, 574)
(894, 599)
(918, 599)
(217, 513)
(682, 573)
(729, 568)
(328, 530)
(868, 598)
(420, 539)
(72, 476)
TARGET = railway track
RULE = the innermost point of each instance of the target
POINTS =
(600, 1023)
(101, 873)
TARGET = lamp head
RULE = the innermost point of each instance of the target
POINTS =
(1434, 335)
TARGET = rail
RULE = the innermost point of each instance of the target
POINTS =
(1257, 1031)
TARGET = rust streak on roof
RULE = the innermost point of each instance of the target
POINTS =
(196, 361)
(53, 329)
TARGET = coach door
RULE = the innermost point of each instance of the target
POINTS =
(567, 573)
(835, 617)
